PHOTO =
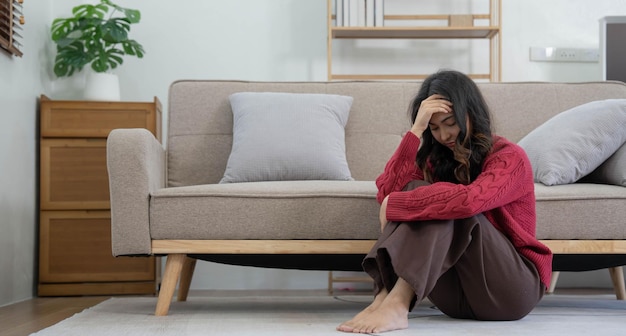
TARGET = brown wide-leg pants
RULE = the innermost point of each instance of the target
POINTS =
(466, 267)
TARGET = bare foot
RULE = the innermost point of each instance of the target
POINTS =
(348, 326)
(388, 316)
(389, 311)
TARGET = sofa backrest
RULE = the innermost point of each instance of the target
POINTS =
(200, 118)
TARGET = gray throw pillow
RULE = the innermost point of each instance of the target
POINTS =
(612, 171)
(288, 136)
(575, 142)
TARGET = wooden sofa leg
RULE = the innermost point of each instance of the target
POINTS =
(185, 278)
(555, 278)
(173, 268)
(617, 275)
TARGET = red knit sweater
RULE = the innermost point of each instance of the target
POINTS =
(503, 192)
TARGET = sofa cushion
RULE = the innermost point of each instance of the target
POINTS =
(580, 211)
(288, 136)
(573, 143)
(273, 210)
(348, 210)
(612, 171)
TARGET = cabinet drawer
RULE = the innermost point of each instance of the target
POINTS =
(74, 174)
(95, 119)
(75, 246)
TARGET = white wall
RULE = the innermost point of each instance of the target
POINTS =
(555, 23)
(281, 40)
(22, 80)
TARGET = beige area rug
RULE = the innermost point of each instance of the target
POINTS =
(318, 315)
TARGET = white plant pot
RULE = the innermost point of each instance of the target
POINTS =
(102, 86)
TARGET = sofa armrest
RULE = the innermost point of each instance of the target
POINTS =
(136, 165)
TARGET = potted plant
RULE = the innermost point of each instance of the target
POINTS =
(95, 35)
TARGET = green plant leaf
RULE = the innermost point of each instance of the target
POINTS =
(62, 27)
(88, 23)
(109, 59)
(115, 30)
(90, 11)
(69, 59)
(63, 69)
(100, 65)
(73, 36)
(115, 57)
(132, 47)
(65, 42)
(94, 47)
(133, 15)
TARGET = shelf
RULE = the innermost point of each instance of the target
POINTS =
(446, 26)
(414, 32)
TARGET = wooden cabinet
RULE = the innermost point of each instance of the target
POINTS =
(74, 220)
(455, 27)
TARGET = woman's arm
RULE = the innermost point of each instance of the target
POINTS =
(506, 176)
(401, 168)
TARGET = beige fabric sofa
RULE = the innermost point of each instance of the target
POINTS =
(169, 202)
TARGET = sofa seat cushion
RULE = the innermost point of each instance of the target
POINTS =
(348, 210)
(581, 211)
(266, 210)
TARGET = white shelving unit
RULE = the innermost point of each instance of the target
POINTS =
(458, 27)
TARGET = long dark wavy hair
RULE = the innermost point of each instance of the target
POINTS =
(464, 163)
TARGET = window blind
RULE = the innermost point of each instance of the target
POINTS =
(11, 19)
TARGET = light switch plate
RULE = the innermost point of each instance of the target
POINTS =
(550, 54)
